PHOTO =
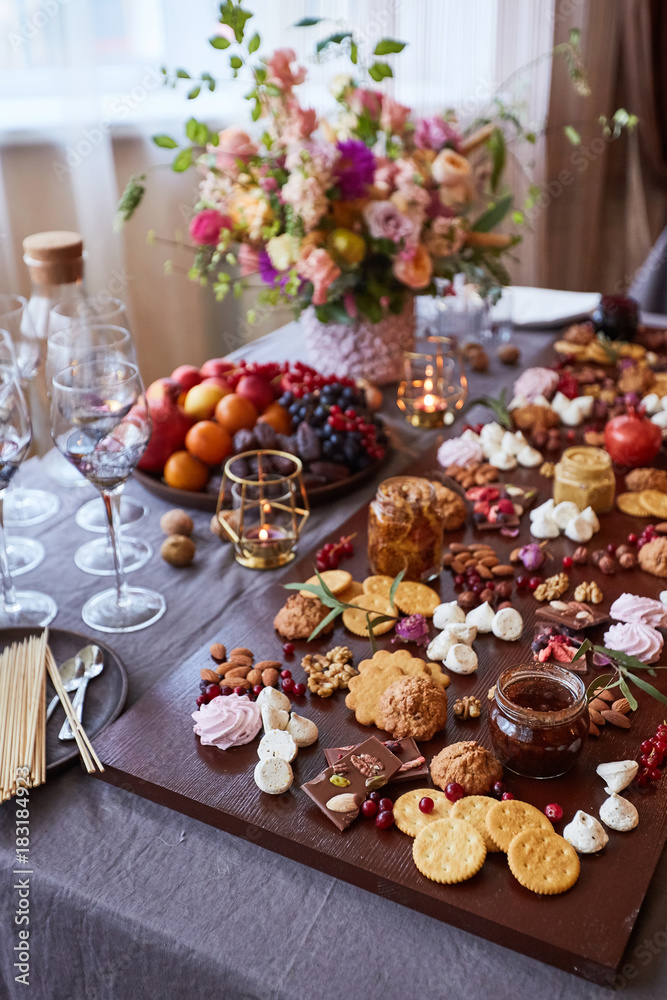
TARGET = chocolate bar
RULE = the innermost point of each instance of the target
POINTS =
(413, 763)
(574, 614)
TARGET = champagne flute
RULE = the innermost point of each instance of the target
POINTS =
(18, 608)
(101, 423)
(25, 506)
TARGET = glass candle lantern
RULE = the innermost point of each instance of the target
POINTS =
(432, 388)
(262, 507)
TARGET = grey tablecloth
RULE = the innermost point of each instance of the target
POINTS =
(129, 899)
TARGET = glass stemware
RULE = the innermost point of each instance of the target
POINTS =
(18, 608)
(101, 423)
(25, 506)
(87, 310)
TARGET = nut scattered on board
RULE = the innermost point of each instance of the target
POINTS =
(475, 474)
(580, 555)
(509, 354)
(589, 592)
(177, 522)
(468, 707)
(218, 652)
(330, 672)
(178, 550)
(552, 588)
(547, 469)
(604, 708)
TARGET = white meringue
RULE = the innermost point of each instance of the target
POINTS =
(502, 460)
(529, 457)
(544, 527)
(579, 529)
(274, 718)
(272, 696)
(662, 597)
(618, 774)
(507, 624)
(446, 613)
(585, 833)
(303, 731)
(482, 617)
(491, 432)
(592, 518)
(619, 814)
(462, 632)
(544, 508)
(277, 743)
(461, 659)
(564, 512)
(652, 403)
(513, 443)
(659, 418)
(273, 775)
(439, 646)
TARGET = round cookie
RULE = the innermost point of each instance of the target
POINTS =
(300, 616)
(449, 851)
(408, 816)
(506, 819)
(469, 764)
(543, 862)
(413, 706)
(473, 809)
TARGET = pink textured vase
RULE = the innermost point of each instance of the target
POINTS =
(362, 349)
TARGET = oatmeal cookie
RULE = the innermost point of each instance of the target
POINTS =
(450, 505)
(646, 479)
(636, 378)
(413, 706)
(653, 557)
(299, 616)
(473, 767)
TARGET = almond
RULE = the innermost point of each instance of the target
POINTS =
(209, 675)
(240, 659)
(593, 729)
(599, 705)
(254, 676)
(514, 554)
(224, 668)
(458, 547)
(448, 559)
(218, 652)
(597, 717)
(458, 566)
(490, 561)
(238, 672)
(270, 676)
(616, 719)
(604, 694)
(268, 664)
(621, 705)
(502, 570)
(236, 682)
(243, 651)
(484, 572)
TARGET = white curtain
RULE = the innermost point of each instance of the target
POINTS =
(81, 94)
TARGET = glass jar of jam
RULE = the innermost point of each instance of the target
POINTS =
(405, 528)
(538, 719)
(585, 475)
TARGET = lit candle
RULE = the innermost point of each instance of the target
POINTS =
(265, 534)
(430, 403)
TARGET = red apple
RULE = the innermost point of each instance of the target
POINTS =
(257, 390)
(163, 388)
(186, 376)
(216, 367)
(218, 381)
(170, 425)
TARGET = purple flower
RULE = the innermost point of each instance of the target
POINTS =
(414, 628)
(269, 274)
(354, 168)
(434, 133)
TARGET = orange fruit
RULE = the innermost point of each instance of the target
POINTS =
(185, 472)
(209, 442)
(276, 416)
(236, 413)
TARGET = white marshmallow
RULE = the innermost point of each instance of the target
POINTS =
(618, 774)
(273, 775)
(585, 833)
(619, 814)
(579, 529)
(444, 614)
(507, 624)
(274, 718)
(482, 617)
(529, 457)
(461, 659)
(564, 512)
(303, 731)
(277, 743)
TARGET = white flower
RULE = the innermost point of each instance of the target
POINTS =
(283, 251)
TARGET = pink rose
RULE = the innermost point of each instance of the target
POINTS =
(414, 268)
(301, 123)
(233, 144)
(385, 175)
(361, 100)
(394, 115)
(248, 258)
(280, 69)
(206, 225)
(385, 221)
(322, 270)
(350, 305)
(434, 132)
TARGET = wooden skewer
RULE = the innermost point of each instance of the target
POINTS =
(90, 758)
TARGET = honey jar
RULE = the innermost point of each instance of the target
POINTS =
(585, 476)
(405, 528)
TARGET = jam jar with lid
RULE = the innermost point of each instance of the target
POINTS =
(538, 719)
(405, 528)
(585, 475)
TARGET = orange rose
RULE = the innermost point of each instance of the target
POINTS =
(415, 268)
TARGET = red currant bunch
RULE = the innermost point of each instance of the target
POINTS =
(330, 555)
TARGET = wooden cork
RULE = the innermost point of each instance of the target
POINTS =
(54, 258)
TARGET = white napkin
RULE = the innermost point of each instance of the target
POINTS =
(550, 307)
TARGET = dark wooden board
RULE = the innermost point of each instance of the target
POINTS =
(153, 752)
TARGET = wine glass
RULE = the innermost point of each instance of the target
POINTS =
(72, 345)
(101, 423)
(25, 506)
(18, 608)
(90, 310)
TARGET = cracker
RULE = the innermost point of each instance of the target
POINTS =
(408, 816)
(505, 819)
(630, 503)
(473, 809)
(543, 862)
(336, 580)
(449, 850)
(654, 502)
(355, 620)
(378, 585)
(416, 599)
(354, 589)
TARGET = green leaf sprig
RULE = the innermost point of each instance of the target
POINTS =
(338, 607)
(623, 666)
(498, 406)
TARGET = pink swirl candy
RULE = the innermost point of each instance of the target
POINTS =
(644, 610)
(635, 639)
(227, 721)
(536, 382)
(459, 451)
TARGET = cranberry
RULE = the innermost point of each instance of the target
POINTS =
(474, 581)
(225, 690)
(454, 791)
(200, 700)
(653, 774)
(375, 797)
(321, 565)
(385, 805)
(426, 804)
(288, 648)
(570, 436)
(522, 582)
(489, 585)
(477, 588)
(568, 562)
(384, 819)
(369, 808)
(632, 538)
(534, 583)
(239, 691)
(288, 685)
(285, 674)
(611, 549)
(506, 796)
(257, 689)
(212, 691)
(299, 690)
(202, 686)
(553, 812)
(498, 788)
(459, 580)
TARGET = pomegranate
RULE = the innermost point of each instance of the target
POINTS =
(632, 439)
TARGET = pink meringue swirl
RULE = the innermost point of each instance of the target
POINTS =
(227, 721)
(635, 639)
(536, 382)
(646, 611)
(459, 451)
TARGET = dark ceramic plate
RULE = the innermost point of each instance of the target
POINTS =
(105, 696)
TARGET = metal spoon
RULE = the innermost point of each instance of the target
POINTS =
(71, 674)
(92, 658)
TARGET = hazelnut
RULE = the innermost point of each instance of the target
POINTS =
(218, 652)
(627, 560)
(509, 354)
(231, 517)
(539, 438)
(607, 565)
(504, 589)
(487, 595)
(622, 549)
(505, 604)
(580, 555)
(597, 555)
(178, 550)
(467, 600)
(177, 522)
(479, 360)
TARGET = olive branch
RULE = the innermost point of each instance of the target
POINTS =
(621, 662)
(330, 600)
